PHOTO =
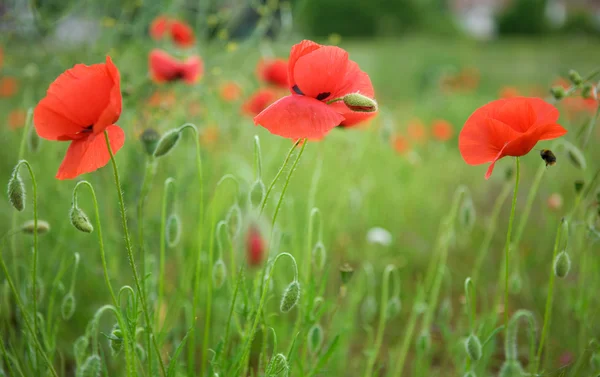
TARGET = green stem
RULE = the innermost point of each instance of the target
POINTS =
(535, 185)
(382, 320)
(507, 245)
(287, 182)
(163, 231)
(591, 126)
(130, 257)
(549, 300)
(285, 162)
(410, 329)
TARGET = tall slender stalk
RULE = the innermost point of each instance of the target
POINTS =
(151, 339)
(281, 169)
(508, 243)
(169, 182)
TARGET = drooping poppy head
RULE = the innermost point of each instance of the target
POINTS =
(159, 27)
(255, 246)
(165, 68)
(80, 105)
(259, 101)
(507, 127)
(17, 119)
(319, 77)
(230, 91)
(8, 86)
(182, 33)
(442, 130)
(274, 72)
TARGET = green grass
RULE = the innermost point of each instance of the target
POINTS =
(355, 179)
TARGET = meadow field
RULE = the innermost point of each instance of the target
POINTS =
(375, 251)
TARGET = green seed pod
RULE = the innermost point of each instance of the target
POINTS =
(558, 92)
(149, 139)
(67, 307)
(515, 283)
(424, 341)
(80, 348)
(80, 220)
(173, 230)
(473, 347)
(92, 367)
(575, 77)
(291, 296)
(368, 309)
(315, 338)
(33, 140)
(579, 184)
(562, 264)
(394, 307)
(595, 362)
(219, 274)
(29, 227)
(234, 221)
(278, 365)
(16, 191)
(167, 142)
(115, 340)
(360, 103)
(511, 369)
(346, 272)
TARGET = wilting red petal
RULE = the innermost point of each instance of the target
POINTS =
(82, 97)
(159, 27)
(299, 50)
(273, 72)
(90, 153)
(320, 73)
(259, 101)
(182, 33)
(298, 117)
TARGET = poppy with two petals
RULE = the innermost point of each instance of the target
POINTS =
(319, 77)
(165, 68)
(273, 71)
(507, 127)
(80, 105)
(259, 101)
(181, 33)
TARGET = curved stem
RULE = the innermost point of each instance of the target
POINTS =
(169, 182)
(285, 162)
(549, 300)
(129, 248)
(507, 245)
(287, 182)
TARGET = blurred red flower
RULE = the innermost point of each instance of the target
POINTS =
(230, 91)
(509, 92)
(401, 144)
(507, 127)
(274, 72)
(80, 105)
(319, 77)
(181, 33)
(259, 101)
(255, 246)
(417, 131)
(159, 27)
(8, 86)
(442, 130)
(165, 68)
(17, 119)
(162, 99)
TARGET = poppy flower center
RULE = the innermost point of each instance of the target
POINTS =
(297, 90)
(88, 129)
(323, 95)
(177, 76)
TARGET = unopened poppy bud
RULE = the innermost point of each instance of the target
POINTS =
(346, 272)
(575, 77)
(473, 347)
(167, 142)
(558, 92)
(115, 340)
(67, 307)
(80, 348)
(149, 139)
(29, 227)
(586, 91)
(511, 368)
(579, 184)
(595, 362)
(16, 191)
(92, 367)
(315, 338)
(562, 264)
(394, 307)
(33, 140)
(424, 341)
(219, 273)
(360, 103)
(278, 365)
(173, 231)
(368, 309)
(80, 220)
(290, 297)
(515, 283)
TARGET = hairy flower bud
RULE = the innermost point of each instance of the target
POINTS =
(315, 338)
(80, 220)
(92, 367)
(29, 227)
(558, 92)
(16, 191)
(473, 347)
(115, 340)
(67, 306)
(173, 231)
(586, 91)
(80, 348)
(167, 142)
(562, 264)
(360, 103)
(278, 366)
(575, 77)
(219, 273)
(290, 297)
(394, 307)
(424, 341)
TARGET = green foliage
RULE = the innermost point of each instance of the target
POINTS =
(523, 17)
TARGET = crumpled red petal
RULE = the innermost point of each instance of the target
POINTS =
(320, 73)
(299, 50)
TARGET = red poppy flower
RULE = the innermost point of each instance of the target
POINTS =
(442, 130)
(507, 127)
(255, 246)
(17, 119)
(159, 27)
(230, 91)
(417, 131)
(79, 106)
(259, 101)
(273, 72)
(182, 33)
(319, 77)
(8, 87)
(401, 144)
(165, 68)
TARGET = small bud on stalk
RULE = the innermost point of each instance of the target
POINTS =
(16, 191)
(80, 220)
(167, 142)
(562, 264)
(291, 296)
(473, 347)
(558, 92)
(360, 103)
(29, 227)
(575, 77)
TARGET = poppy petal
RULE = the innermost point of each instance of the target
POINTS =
(481, 141)
(551, 131)
(299, 50)
(351, 118)
(298, 117)
(90, 153)
(320, 73)
(192, 69)
(355, 81)
(517, 113)
(163, 67)
(158, 27)
(182, 34)
(545, 113)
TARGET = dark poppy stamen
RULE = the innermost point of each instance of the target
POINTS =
(297, 90)
(88, 128)
(323, 95)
